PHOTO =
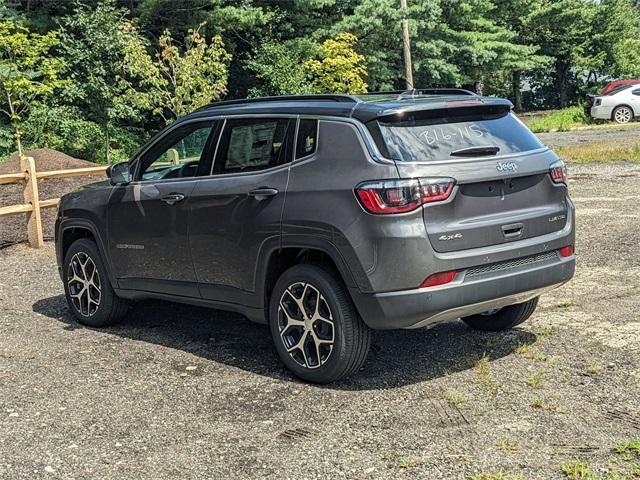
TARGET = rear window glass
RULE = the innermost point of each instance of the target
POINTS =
(416, 139)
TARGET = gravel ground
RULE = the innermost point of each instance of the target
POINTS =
(184, 392)
(625, 134)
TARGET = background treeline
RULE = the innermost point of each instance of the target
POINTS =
(96, 78)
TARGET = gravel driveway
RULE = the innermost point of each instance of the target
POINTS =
(184, 392)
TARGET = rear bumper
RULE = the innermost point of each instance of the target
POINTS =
(468, 294)
(601, 112)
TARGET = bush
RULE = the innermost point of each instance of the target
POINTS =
(63, 129)
(561, 120)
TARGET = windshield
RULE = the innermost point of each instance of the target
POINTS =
(452, 136)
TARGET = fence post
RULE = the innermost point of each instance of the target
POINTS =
(34, 221)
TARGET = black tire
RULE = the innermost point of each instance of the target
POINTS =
(98, 306)
(351, 337)
(507, 317)
(622, 114)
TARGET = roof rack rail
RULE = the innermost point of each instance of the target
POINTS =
(424, 91)
(285, 98)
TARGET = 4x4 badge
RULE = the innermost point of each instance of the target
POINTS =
(507, 167)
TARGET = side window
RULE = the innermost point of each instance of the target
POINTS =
(178, 154)
(307, 138)
(254, 144)
(636, 92)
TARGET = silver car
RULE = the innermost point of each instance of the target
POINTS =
(620, 105)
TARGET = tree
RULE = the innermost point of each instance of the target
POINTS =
(28, 71)
(340, 68)
(280, 68)
(563, 29)
(177, 82)
(93, 45)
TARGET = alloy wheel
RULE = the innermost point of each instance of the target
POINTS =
(623, 115)
(83, 281)
(306, 325)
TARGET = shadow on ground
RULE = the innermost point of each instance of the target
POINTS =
(397, 358)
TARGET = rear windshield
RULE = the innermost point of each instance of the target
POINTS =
(425, 137)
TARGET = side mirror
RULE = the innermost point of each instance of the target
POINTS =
(119, 173)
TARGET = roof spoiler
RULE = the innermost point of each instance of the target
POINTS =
(449, 108)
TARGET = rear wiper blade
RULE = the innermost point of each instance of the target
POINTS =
(475, 151)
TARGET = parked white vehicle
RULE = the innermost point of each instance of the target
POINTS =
(620, 105)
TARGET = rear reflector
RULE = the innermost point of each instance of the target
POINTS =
(400, 196)
(567, 251)
(438, 279)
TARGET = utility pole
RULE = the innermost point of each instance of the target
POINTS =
(406, 45)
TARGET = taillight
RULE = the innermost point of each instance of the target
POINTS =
(567, 251)
(558, 172)
(400, 196)
(438, 279)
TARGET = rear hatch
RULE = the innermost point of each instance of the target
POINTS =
(503, 190)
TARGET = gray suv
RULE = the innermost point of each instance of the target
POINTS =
(328, 216)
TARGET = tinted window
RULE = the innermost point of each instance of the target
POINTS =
(178, 154)
(254, 144)
(307, 138)
(418, 139)
(636, 92)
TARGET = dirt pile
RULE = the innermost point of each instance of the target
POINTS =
(13, 228)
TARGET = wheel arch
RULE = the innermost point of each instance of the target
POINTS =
(76, 229)
(280, 258)
(633, 112)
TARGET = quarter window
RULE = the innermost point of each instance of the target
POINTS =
(307, 138)
(254, 144)
(636, 92)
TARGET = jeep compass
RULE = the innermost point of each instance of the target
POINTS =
(327, 216)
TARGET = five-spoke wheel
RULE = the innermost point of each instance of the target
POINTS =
(317, 331)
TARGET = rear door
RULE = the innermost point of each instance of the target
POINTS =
(503, 189)
(237, 210)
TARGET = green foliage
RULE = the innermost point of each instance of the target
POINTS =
(28, 71)
(279, 68)
(340, 68)
(176, 82)
(561, 121)
(134, 71)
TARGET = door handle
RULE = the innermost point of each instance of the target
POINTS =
(172, 198)
(263, 192)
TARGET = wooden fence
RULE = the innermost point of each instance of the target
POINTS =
(32, 203)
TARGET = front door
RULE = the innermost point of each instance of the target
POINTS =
(148, 219)
(237, 211)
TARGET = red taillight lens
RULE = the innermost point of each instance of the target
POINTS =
(567, 251)
(400, 196)
(438, 279)
(558, 172)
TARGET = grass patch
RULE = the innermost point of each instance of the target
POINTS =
(507, 446)
(594, 367)
(540, 404)
(546, 332)
(561, 121)
(484, 373)
(629, 447)
(602, 152)
(494, 476)
(566, 304)
(577, 471)
(454, 398)
(537, 380)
